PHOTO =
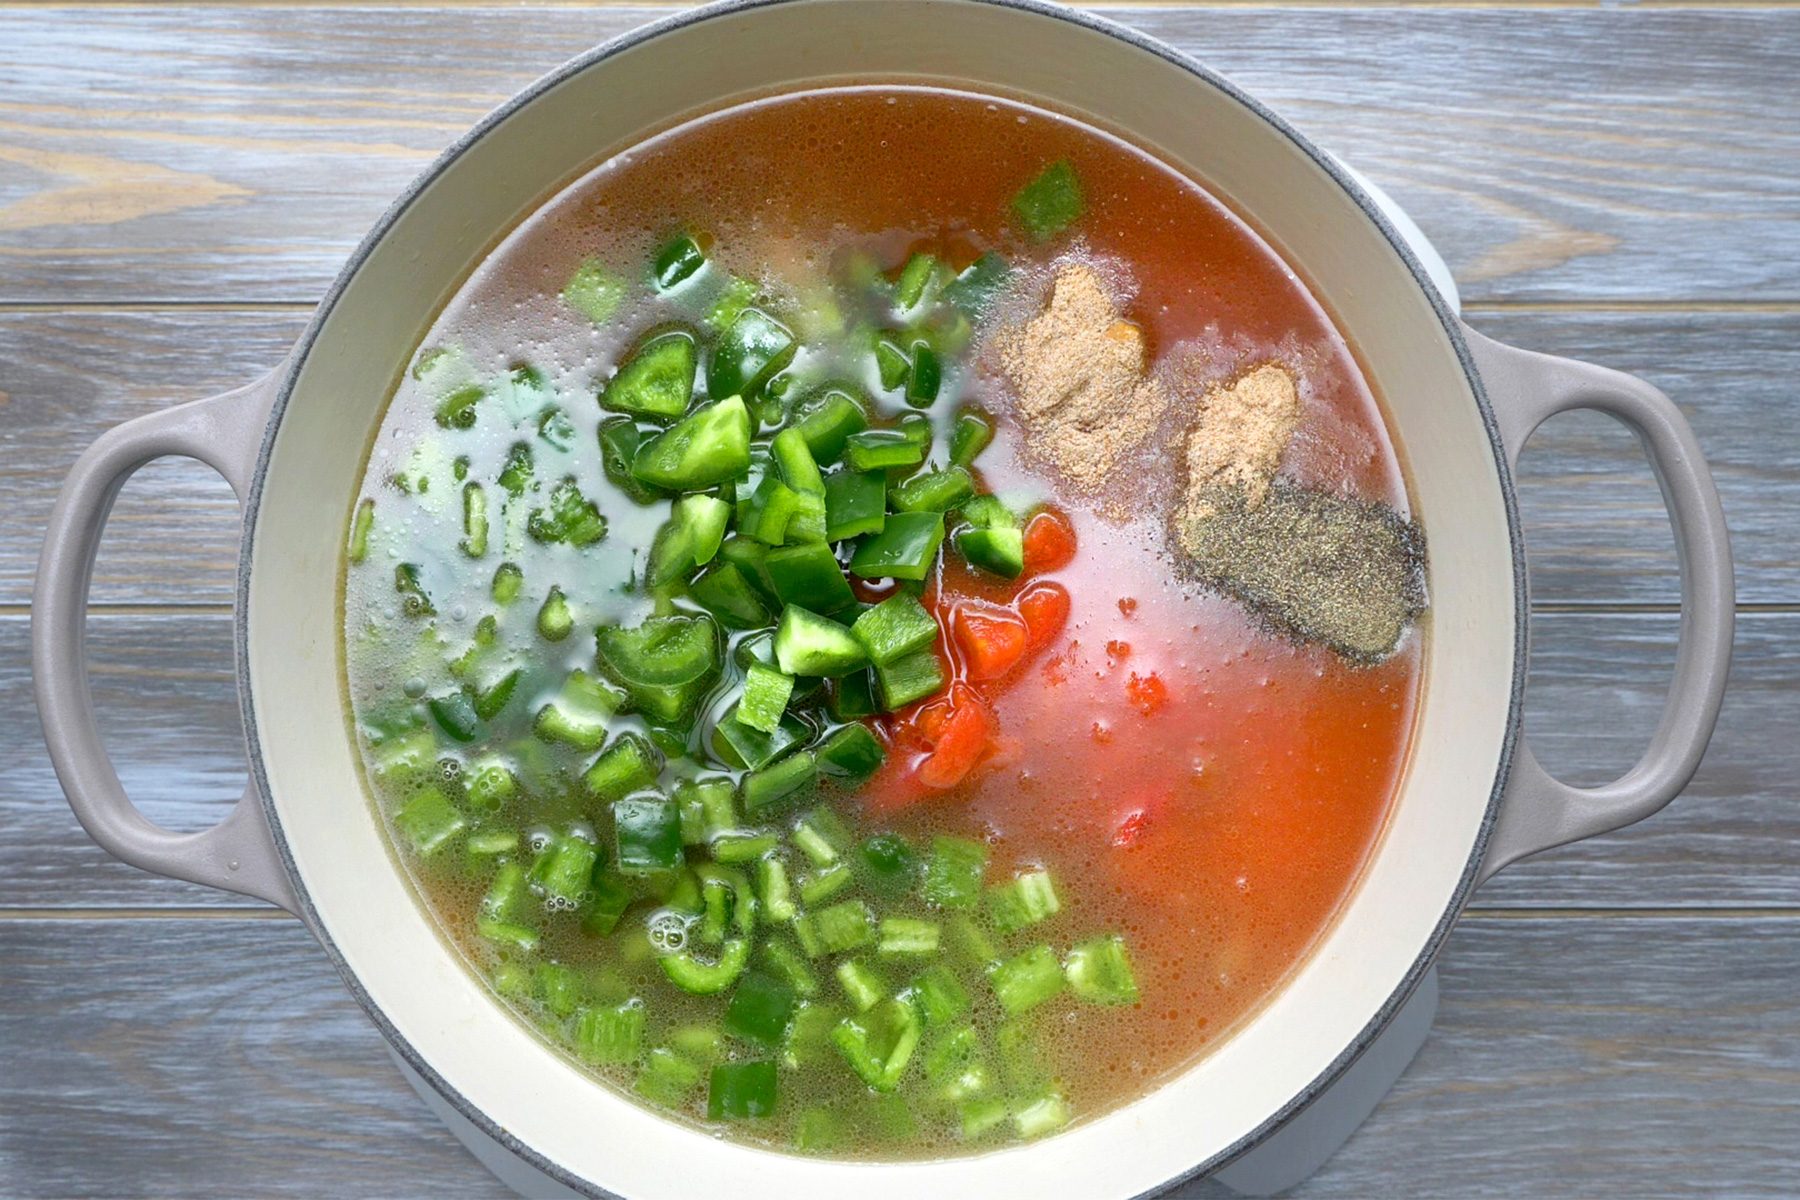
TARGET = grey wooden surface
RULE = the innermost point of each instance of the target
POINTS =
(1618, 182)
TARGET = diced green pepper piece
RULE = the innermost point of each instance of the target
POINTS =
(703, 449)
(1099, 972)
(881, 450)
(609, 895)
(969, 436)
(895, 628)
(939, 994)
(739, 745)
(933, 491)
(562, 871)
(578, 715)
(515, 474)
(977, 284)
(1027, 980)
(1024, 900)
(492, 786)
(809, 576)
(902, 936)
(919, 273)
(790, 965)
(555, 427)
(359, 530)
(1047, 1113)
(775, 890)
(821, 836)
(852, 697)
(927, 376)
(414, 601)
(850, 755)
(594, 292)
(907, 679)
(748, 354)
(839, 928)
(661, 651)
(667, 1078)
(1050, 203)
(657, 381)
(569, 518)
(454, 713)
(647, 831)
(629, 765)
(554, 620)
(906, 547)
(688, 540)
(741, 1091)
(403, 756)
(808, 522)
(793, 458)
(809, 1035)
(999, 550)
(855, 503)
(475, 520)
(888, 864)
(457, 410)
(760, 1009)
(827, 421)
(808, 644)
(429, 820)
(892, 365)
(823, 885)
(765, 699)
(725, 593)
(861, 984)
(508, 580)
(879, 1044)
(781, 782)
(700, 978)
(766, 514)
(677, 260)
(559, 987)
(953, 872)
(619, 440)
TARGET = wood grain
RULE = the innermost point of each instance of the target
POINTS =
(221, 152)
(1595, 530)
(164, 691)
(1640, 1057)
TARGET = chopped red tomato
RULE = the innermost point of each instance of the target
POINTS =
(1045, 607)
(1049, 542)
(965, 739)
(1127, 607)
(992, 639)
(1147, 693)
(1118, 651)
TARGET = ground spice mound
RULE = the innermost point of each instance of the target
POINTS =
(1237, 442)
(1346, 573)
(1084, 397)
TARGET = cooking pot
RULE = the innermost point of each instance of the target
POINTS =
(304, 836)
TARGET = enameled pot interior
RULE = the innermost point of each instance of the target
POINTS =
(518, 1087)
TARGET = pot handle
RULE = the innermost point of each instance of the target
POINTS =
(238, 854)
(1537, 811)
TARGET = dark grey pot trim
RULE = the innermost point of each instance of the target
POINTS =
(1447, 319)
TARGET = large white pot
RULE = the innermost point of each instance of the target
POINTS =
(305, 837)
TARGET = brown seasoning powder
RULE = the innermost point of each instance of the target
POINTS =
(1084, 398)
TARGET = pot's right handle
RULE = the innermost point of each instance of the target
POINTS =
(1537, 811)
(238, 854)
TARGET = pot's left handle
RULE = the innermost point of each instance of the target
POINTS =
(238, 854)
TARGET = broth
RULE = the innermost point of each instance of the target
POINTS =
(1197, 786)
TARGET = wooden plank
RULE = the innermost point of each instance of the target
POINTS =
(1594, 521)
(164, 692)
(220, 1058)
(239, 152)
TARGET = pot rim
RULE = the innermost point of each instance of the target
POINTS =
(1451, 326)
